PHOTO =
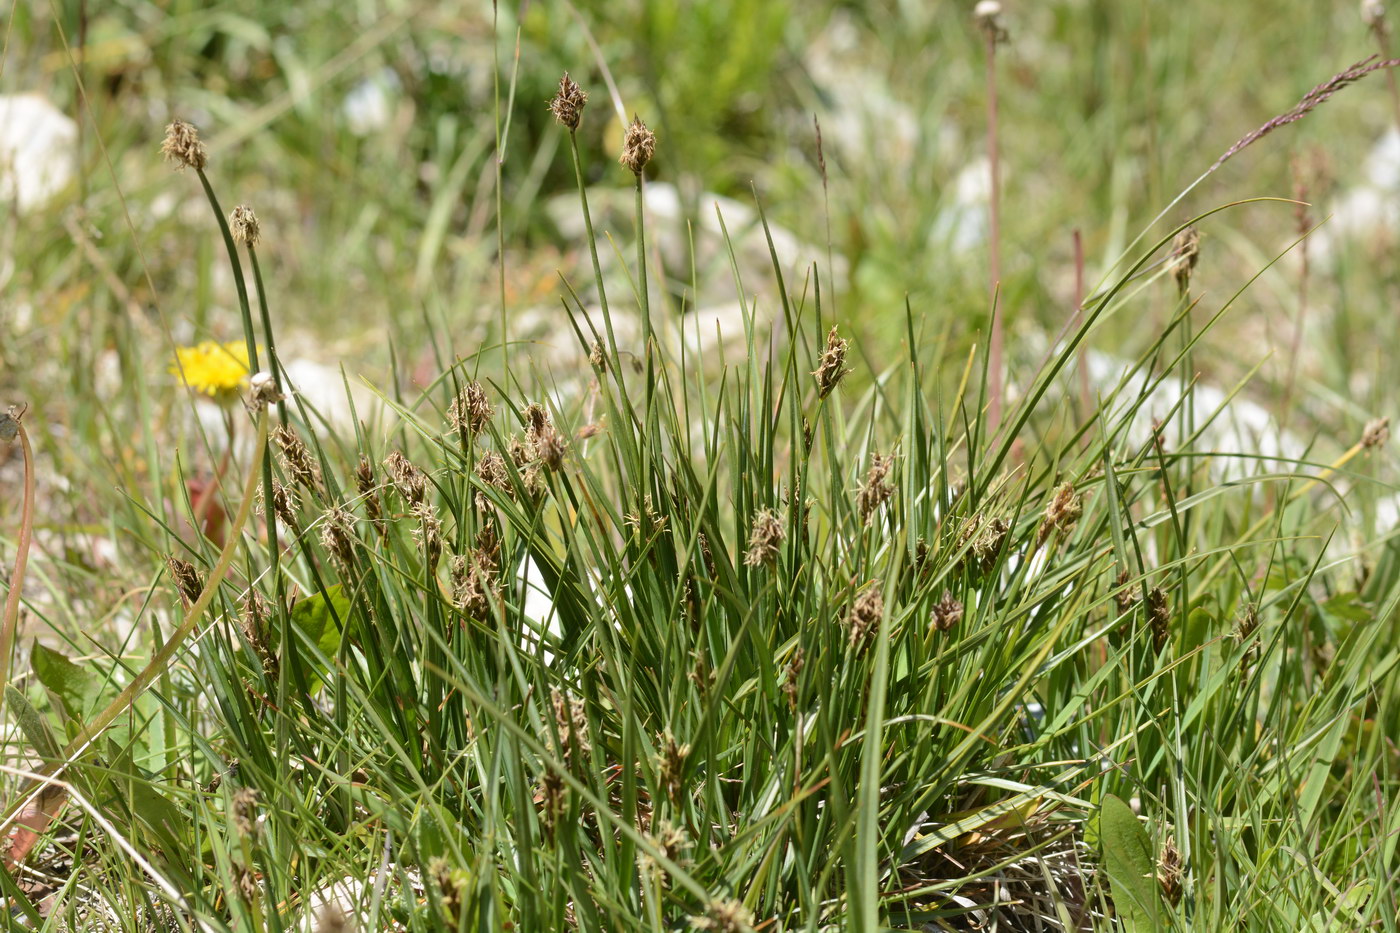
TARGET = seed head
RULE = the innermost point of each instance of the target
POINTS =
(491, 470)
(1376, 433)
(243, 224)
(829, 371)
(244, 812)
(571, 722)
(863, 619)
(407, 478)
(428, 533)
(874, 491)
(1169, 871)
(946, 613)
(790, 679)
(550, 445)
(474, 583)
(598, 357)
(987, 15)
(338, 535)
(1373, 15)
(670, 765)
(765, 538)
(1061, 514)
(1159, 617)
(1186, 249)
(263, 391)
(284, 504)
(470, 410)
(296, 457)
(550, 796)
(986, 546)
(369, 494)
(182, 146)
(255, 630)
(638, 146)
(187, 581)
(567, 106)
(1125, 596)
(724, 916)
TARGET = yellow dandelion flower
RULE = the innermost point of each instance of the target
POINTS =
(216, 369)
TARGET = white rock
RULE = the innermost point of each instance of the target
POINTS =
(37, 150)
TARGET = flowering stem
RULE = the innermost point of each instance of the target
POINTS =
(994, 352)
(248, 336)
(12, 599)
(274, 365)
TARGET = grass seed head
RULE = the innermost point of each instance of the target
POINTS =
(470, 411)
(829, 369)
(551, 446)
(338, 536)
(1373, 15)
(1376, 433)
(571, 723)
(791, 674)
(567, 106)
(187, 580)
(765, 539)
(243, 812)
(1159, 617)
(947, 612)
(1169, 866)
(296, 457)
(1061, 514)
(182, 146)
(243, 224)
(987, 15)
(638, 146)
(874, 490)
(863, 620)
(369, 493)
(428, 533)
(407, 478)
(670, 765)
(263, 391)
(284, 504)
(1186, 250)
(598, 357)
(724, 916)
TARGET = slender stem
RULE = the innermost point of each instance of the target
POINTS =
(274, 364)
(1085, 407)
(994, 353)
(500, 209)
(248, 335)
(12, 599)
(593, 253)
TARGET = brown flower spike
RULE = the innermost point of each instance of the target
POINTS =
(829, 371)
(243, 224)
(182, 146)
(638, 146)
(567, 106)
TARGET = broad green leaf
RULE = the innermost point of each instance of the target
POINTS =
(319, 618)
(35, 729)
(77, 688)
(1127, 858)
